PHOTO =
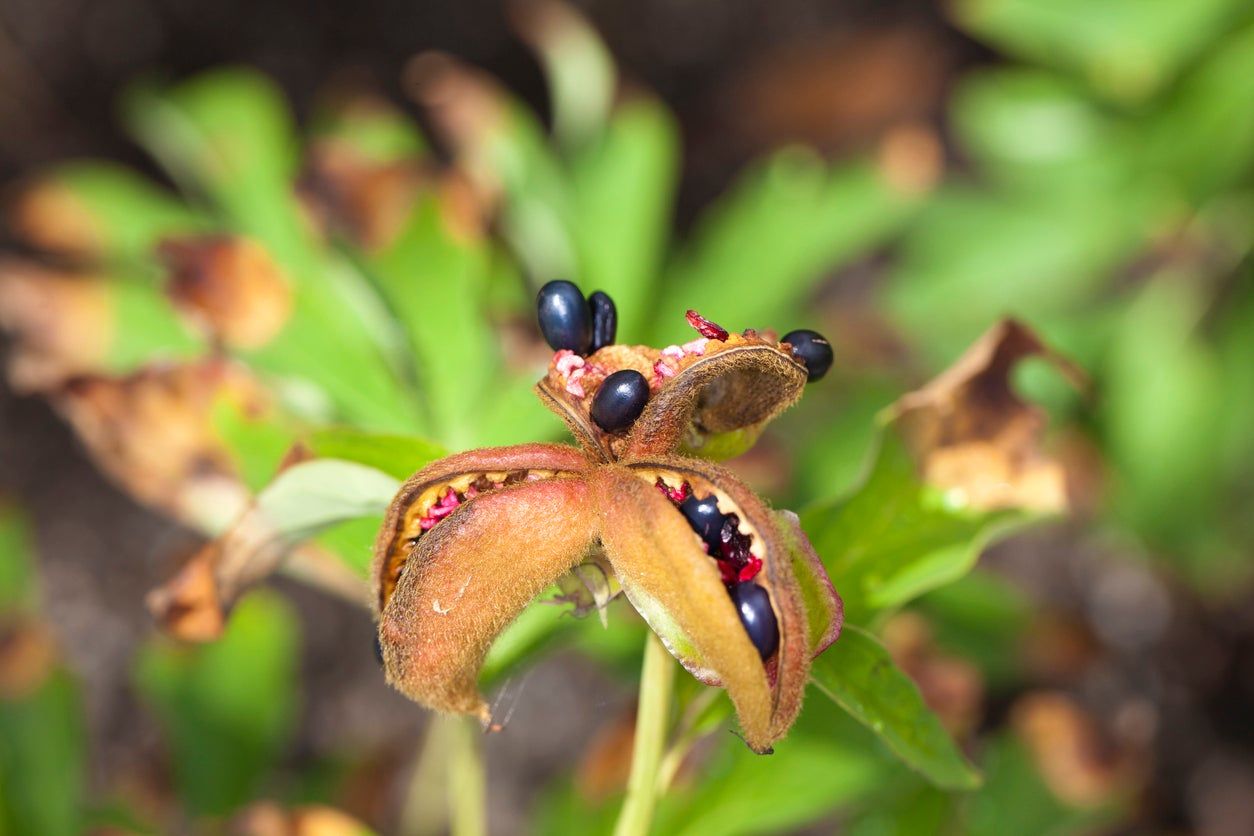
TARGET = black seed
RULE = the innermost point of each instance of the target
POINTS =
(812, 349)
(378, 649)
(604, 320)
(754, 606)
(563, 317)
(705, 518)
(620, 400)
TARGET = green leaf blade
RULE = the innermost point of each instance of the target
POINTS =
(858, 675)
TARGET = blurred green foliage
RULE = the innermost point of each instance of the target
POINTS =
(1105, 197)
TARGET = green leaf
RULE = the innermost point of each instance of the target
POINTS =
(1127, 49)
(746, 793)
(373, 128)
(1204, 132)
(228, 134)
(536, 217)
(763, 249)
(579, 69)
(303, 502)
(534, 630)
(1162, 411)
(514, 415)
(312, 496)
(399, 456)
(982, 618)
(858, 675)
(258, 444)
(42, 760)
(974, 257)
(145, 327)
(894, 537)
(1015, 799)
(128, 214)
(353, 542)
(226, 709)
(17, 576)
(435, 285)
(1040, 131)
(623, 188)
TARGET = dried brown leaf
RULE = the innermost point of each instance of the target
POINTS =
(267, 818)
(228, 285)
(28, 655)
(1078, 764)
(152, 431)
(53, 218)
(365, 200)
(189, 606)
(62, 324)
(972, 434)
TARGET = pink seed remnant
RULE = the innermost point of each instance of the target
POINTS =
(705, 328)
(662, 370)
(695, 347)
(446, 505)
(675, 495)
(572, 367)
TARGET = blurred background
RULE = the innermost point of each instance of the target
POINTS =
(897, 175)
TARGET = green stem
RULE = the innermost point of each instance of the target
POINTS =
(446, 788)
(467, 785)
(657, 677)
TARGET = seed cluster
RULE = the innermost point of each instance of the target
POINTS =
(737, 565)
(438, 503)
(571, 323)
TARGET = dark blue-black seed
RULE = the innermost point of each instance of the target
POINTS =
(378, 649)
(754, 606)
(604, 320)
(705, 518)
(563, 315)
(620, 400)
(812, 349)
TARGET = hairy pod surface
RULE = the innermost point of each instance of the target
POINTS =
(733, 589)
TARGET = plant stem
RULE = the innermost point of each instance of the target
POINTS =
(425, 811)
(446, 790)
(467, 785)
(657, 677)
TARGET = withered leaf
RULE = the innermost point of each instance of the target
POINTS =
(62, 323)
(960, 462)
(230, 286)
(972, 434)
(305, 499)
(152, 432)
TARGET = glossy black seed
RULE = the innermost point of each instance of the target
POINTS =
(754, 606)
(620, 400)
(705, 518)
(563, 316)
(604, 320)
(812, 349)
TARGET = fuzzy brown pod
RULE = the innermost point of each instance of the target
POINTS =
(474, 538)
